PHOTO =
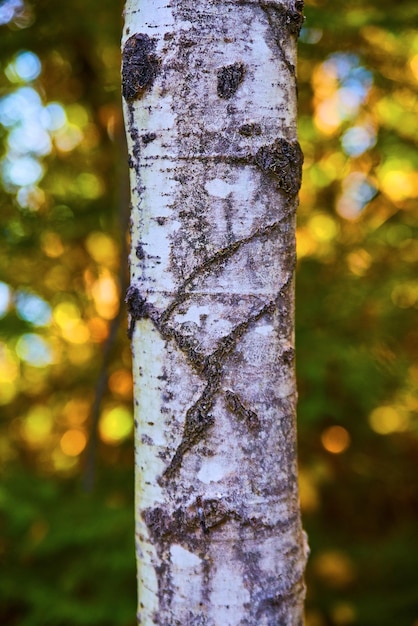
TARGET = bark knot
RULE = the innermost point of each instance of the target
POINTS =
(280, 16)
(283, 160)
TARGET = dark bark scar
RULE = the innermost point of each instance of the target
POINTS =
(236, 406)
(182, 523)
(139, 65)
(199, 417)
(250, 129)
(229, 79)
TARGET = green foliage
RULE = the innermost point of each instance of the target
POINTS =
(356, 312)
(68, 557)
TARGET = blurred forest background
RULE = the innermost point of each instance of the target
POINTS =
(66, 457)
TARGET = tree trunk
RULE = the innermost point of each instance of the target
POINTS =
(210, 107)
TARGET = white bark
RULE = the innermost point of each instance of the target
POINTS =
(210, 109)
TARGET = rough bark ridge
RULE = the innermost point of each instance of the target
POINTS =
(209, 100)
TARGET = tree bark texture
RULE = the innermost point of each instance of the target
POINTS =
(209, 94)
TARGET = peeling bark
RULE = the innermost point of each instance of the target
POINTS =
(210, 108)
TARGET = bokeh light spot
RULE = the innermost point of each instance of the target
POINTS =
(8, 9)
(66, 314)
(8, 365)
(68, 137)
(308, 492)
(89, 186)
(99, 329)
(31, 197)
(115, 425)
(311, 35)
(386, 420)
(37, 425)
(63, 462)
(32, 308)
(306, 245)
(53, 116)
(335, 568)
(25, 67)
(76, 411)
(73, 442)
(335, 439)
(340, 86)
(52, 244)
(77, 114)
(9, 374)
(357, 193)
(23, 104)
(29, 138)
(106, 296)
(34, 350)
(400, 184)
(405, 295)
(5, 298)
(357, 140)
(24, 170)
(120, 382)
(323, 227)
(102, 249)
(359, 262)
(413, 64)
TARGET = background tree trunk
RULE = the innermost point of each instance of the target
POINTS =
(210, 108)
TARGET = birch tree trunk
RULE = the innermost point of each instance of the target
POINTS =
(210, 107)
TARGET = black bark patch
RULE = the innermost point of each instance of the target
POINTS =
(248, 130)
(178, 527)
(283, 160)
(139, 65)
(294, 19)
(139, 251)
(181, 525)
(148, 137)
(137, 307)
(290, 18)
(299, 4)
(161, 526)
(288, 356)
(229, 79)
